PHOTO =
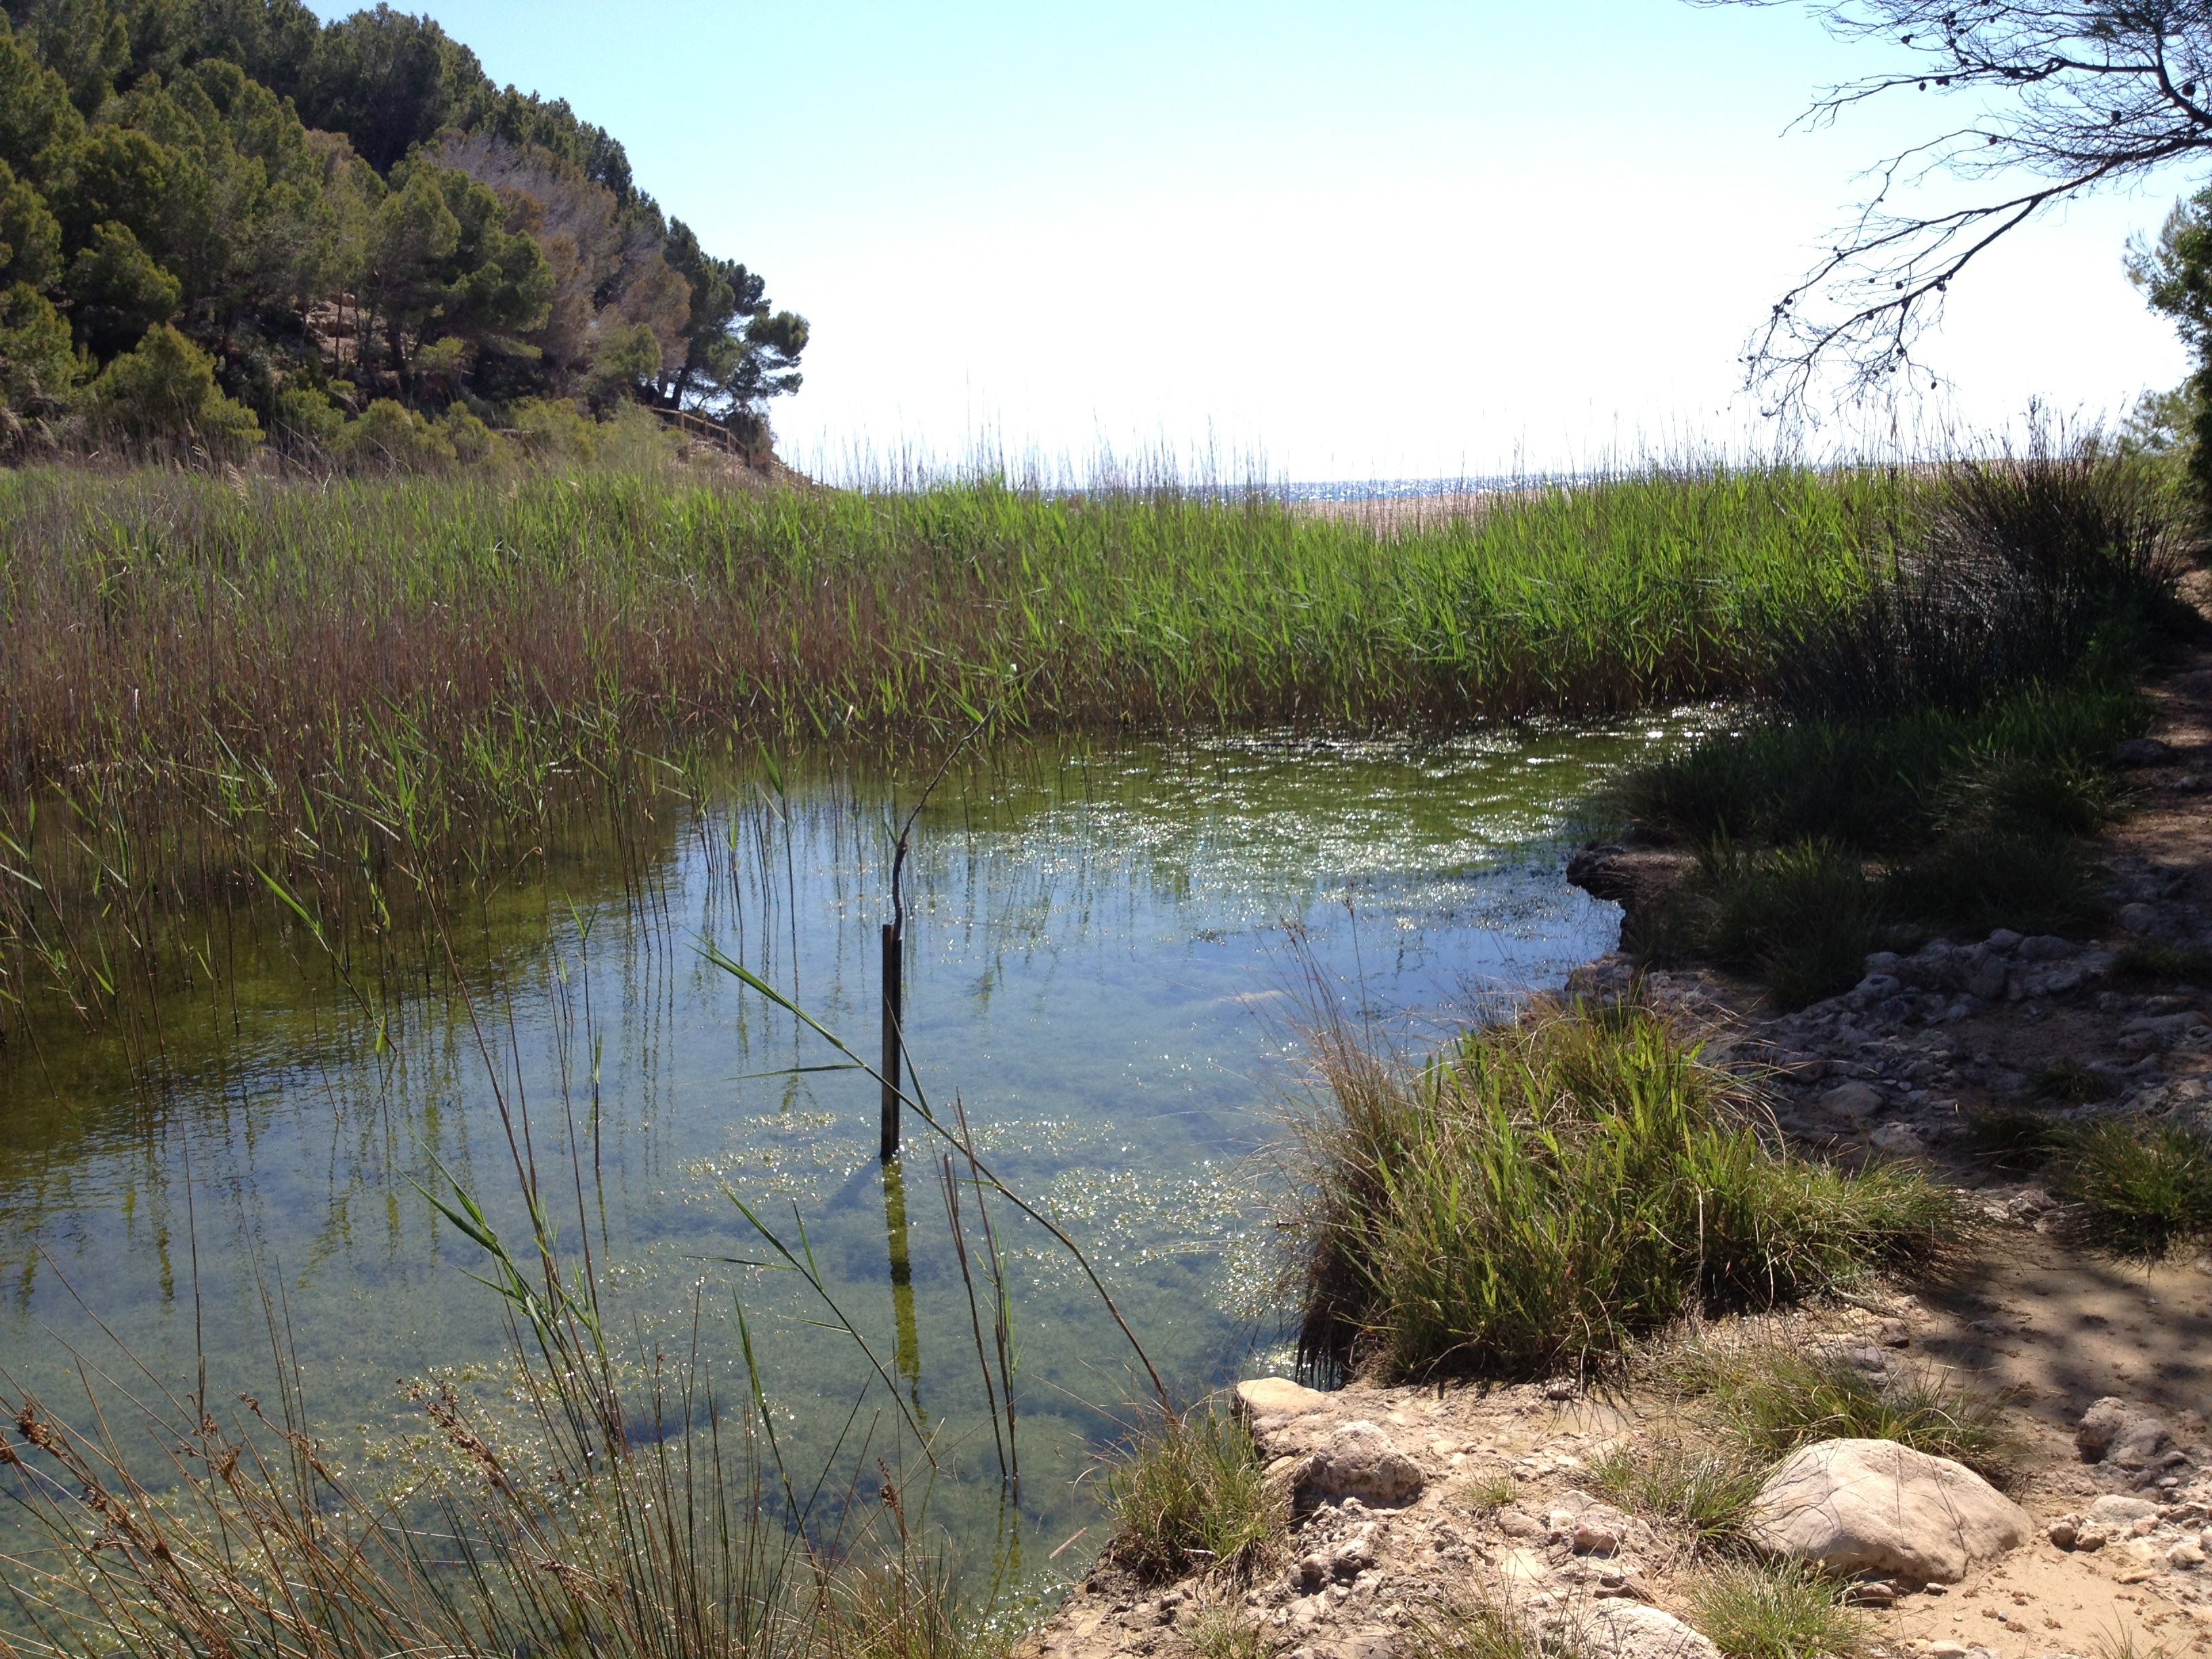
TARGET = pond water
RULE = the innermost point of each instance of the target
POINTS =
(1106, 950)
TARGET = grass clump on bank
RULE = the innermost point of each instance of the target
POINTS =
(1776, 1610)
(1703, 1490)
(2141, 1188)
(2156, 961)
(1768, 1398)
(1736, 1398)
(1542, 1193)
(1935, 749)
(2135, 1188)
(1189, 1494)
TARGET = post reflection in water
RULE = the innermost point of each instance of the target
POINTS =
(907, 1356)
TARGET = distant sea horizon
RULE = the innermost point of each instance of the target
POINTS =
(1393, 490)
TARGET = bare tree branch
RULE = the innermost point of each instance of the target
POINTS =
(2078, 96)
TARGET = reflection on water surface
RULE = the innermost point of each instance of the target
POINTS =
(1098, 969)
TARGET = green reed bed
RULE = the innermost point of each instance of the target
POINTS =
(145, 614)
(347, 689)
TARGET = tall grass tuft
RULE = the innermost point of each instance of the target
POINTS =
(2018, 568)
(1704, 1491)
(1539, 1192)
(2031, 759)
(1763, 1392)
(640, 1519)
(2141, 1189)
(1190, 1492)
(1802, 917)
(1953, 720)
(1777, 1610)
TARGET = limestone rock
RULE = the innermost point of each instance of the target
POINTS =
(1876, 1506)
(1987, 980)
(1898, 1141)
(1600, 1529)
(2123, 1433)
(1278, 1396)
(1852, 1100)
(1623, 1629)
(1514, 1524)
(2119, 1513)
(1358, 1460)
(1522, 1569)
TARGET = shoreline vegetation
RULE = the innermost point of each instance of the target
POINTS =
(218, 684)
(223, 683)
(347, 562)
(350, 691)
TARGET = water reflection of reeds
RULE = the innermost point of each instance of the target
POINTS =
(1090, 932)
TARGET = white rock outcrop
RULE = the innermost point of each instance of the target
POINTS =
(1358, 1460)
(1278, 1396)
(1876, 1506)
(2121, 1432)
(1623, 1630)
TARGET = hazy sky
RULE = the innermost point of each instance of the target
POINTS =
(1384, 239)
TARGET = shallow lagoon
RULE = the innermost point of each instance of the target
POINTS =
(1107, 953)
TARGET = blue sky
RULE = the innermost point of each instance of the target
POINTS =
(1352, 240)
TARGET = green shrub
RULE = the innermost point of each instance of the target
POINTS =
(161, 395)
(633, 439)
(390, 437)
(1775, 1610)
(2141, 1188)
(305, 425)
(474, 443)
(1542, 1191)
(551, 428)
(1190, 1493)
(117, 291)
(38, 367)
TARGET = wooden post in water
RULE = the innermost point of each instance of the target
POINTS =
(894, 1001)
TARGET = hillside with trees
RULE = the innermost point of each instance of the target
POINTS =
(224, 223)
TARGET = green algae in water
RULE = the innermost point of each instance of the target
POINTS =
(1098, 967)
